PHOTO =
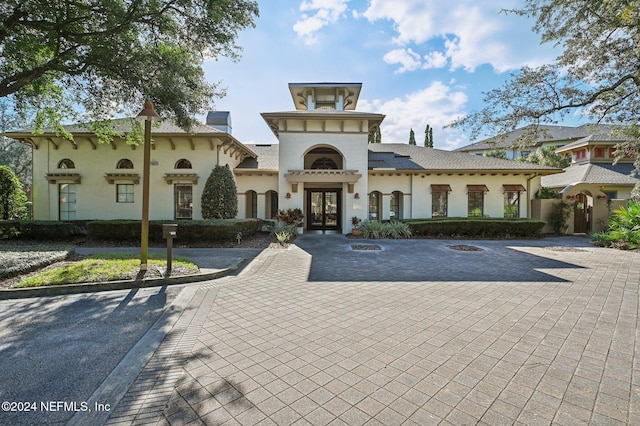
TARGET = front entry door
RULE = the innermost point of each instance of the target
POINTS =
(323, 209)
(581, 214)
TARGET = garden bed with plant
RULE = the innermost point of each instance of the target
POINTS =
(623, 231)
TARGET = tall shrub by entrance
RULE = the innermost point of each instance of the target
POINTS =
(220, 196)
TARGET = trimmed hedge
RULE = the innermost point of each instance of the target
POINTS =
(476, 227)
(129, 230)
(41, 229)
(188, 230)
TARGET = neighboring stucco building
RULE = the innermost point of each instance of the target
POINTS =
(593, 183)
(322, 164)
(521, 142)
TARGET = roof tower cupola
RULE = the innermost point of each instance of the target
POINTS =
(327, 96)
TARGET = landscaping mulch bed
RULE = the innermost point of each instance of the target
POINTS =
(259, 241)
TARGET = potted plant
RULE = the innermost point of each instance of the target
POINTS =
(355, 221)
(292, 217)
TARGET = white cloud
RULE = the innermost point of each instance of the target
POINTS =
(409, 59)
(434, 60)
(474, 32)
(316, 15)
(436, 105)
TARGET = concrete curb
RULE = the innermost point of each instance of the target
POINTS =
(58, 290)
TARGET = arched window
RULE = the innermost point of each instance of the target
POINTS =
(271, 208)
(324, 163)
(252, 204)
(374, 205)
(396, 205)
(183, 164)
(125, 163)
(66, 164)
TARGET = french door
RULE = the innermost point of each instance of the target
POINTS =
(324, 209)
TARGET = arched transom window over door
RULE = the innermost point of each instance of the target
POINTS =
(324, 163)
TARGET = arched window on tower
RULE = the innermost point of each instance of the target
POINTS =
(324, 163)
(125, 163)
(66, 164)
(183, 164)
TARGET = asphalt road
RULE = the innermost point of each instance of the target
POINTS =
(56, 351)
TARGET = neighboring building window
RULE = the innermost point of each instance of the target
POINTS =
(183, 201)
(124, 193)
(599, 152)
(396, 204)
(440, 200)
(66, 164)
(525, 154)
(512, 200)
(611, 195)
(67, 201)
(476, 200)
(125, 163)
(581, 155)
(612, 152)
(183, 164)
(374, 205)
(511, 204)
(271, 208)
(324, 163)
(252, 204)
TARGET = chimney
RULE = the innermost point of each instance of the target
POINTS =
(220, 120)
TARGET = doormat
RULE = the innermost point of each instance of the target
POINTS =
(365, 247)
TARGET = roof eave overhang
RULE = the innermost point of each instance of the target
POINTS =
(225, 138)
(543, 172)
(273, 118)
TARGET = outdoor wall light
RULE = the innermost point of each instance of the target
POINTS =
(288, 196)
(356, 196)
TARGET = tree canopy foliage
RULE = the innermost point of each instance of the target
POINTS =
(100, 57)
(547, 156)
(12, 153)
(13, 200)
(597, 73)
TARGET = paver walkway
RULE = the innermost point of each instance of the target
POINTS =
(523, 332)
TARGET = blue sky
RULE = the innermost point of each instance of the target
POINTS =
(420, 61)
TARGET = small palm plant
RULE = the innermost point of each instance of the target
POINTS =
(624, 228)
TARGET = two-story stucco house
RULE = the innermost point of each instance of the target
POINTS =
(323, 164)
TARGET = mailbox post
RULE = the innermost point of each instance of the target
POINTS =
(169, 232)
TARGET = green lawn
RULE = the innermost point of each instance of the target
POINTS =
(102, 267)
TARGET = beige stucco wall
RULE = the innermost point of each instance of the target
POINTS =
(96, 198)
(417, 192)
(261, 183)
(344, 137)
(601, 208)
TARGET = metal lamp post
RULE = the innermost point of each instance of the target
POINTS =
(148, 114)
